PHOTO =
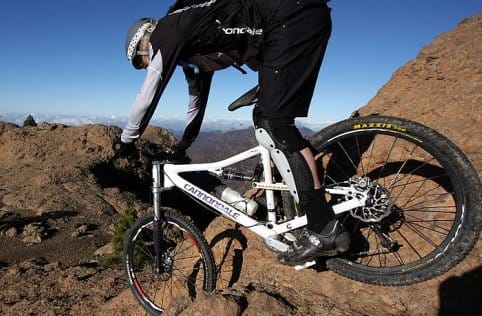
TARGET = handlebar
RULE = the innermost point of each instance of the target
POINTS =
(152, 152)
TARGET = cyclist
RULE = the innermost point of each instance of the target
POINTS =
(285, 41)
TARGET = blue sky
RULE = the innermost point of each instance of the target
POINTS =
(67, 57)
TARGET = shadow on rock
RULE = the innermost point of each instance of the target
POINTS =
(11, 220)
(126, 179)
(201, 215)
(461, 295)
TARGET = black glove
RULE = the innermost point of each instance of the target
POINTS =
(178, 151)
(124, 150)
(176, 154)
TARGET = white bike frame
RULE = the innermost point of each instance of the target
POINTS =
(269, 229)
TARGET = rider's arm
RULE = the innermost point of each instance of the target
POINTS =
(166, 44)
(144, 102)
(199, 86)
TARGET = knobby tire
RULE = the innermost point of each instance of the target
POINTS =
(436, 213)
(187, 269)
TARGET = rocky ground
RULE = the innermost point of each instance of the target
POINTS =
(61, 195)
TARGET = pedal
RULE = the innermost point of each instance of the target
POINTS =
(305, 265)
(275, 245)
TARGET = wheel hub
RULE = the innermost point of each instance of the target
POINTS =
(378, 204)
(166, 266)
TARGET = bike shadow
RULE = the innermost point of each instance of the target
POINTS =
(228, 247)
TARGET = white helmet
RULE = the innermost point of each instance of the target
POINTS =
(134, 36)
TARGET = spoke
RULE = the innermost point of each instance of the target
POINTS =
(189, 269)
(433, 178)
(414, 194)
(416, 197)
(380, 256)
(360, 156)
(410, 176)
(179, 248)
(383, 260)
(183, 269)
(146, 231)
(185, 277)
(331, 179)
(180, 284)
(409, 244)
(193, 268)
(386, 159)
(398, 257)
(418, 220)
(421, 206)
(347, 155)
(144, 250)
(442, 231)
(431, 195)
(371, 155)
(422, 235)
(369, 232)
(163, 292)
(180, 276)
(438, 208)
(340, 169)
(394, 180)
(426, 209)
(196, 256)
(171, 279)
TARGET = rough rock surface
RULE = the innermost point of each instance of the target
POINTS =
(441, 88)
(61, 194)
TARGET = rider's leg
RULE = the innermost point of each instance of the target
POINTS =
(310, 160)
(295, 162)
(198, 86)
(295, 43)
(324, 235)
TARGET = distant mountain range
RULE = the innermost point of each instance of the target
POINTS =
(173, 124)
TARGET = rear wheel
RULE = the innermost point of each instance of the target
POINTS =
(186, 263)
(423, 215)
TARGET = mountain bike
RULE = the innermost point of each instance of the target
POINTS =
(409, 197)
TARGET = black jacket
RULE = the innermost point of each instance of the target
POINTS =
(194, 28)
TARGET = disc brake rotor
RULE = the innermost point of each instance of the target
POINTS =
(378, 204)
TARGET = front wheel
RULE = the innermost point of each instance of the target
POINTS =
(184, 268)
(423, 212)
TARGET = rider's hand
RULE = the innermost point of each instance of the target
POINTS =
(178, 151)
(124, 150)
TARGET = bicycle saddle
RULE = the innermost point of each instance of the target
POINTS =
(249, 98)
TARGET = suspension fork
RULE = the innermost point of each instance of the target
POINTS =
(158, 216)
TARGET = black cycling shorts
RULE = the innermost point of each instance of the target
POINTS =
(294, 46)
